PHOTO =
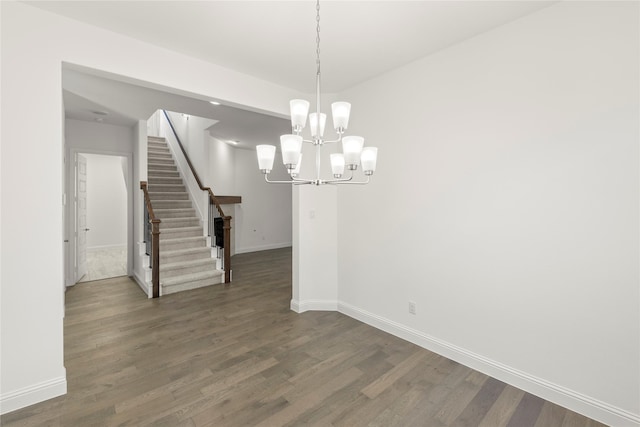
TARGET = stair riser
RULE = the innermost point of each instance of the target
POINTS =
(161, 167)
(168, 224)
(158, 149)
(172, 234)
(162, 174)
(181, 213)
(164, 181)
(168, 196)
(161, 155)
(171, 204)
(204, 254)
(156, 144)
(166, 290)
(167, 188)
(160, 158)
(181, 271)
(160, 161)
(176, 246)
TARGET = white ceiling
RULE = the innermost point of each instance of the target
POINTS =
(97, 98)
(275, 40)
(271, 40)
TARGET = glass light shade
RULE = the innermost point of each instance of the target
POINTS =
(266, 154)
(352, 147)
(299, 110)
(291, 145)
(368, 159)
(296, 171)
(313, 123)
(337, 164)
(340, 112)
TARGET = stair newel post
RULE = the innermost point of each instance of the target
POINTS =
(227, 249)
(152, 238)
(155, 257)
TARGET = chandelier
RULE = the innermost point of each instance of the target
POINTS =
(353, 151)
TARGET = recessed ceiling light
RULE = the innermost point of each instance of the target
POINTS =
(214, 103)
(100, 113)
(234, 142)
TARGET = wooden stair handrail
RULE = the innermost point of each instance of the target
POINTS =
(214, 200)
(155, 241)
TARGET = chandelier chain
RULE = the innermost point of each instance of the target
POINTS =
(318, 35)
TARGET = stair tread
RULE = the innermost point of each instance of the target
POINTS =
(187, 264)
(178, 229)
(185, 218)
(166, 192)
(181, 239)
(169, 281)
(167, 185)
(186, 251)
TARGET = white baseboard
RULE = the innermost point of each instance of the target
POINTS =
(573, 400)
(33, 394)
(313, 305)
(262, 247)
(143, 285)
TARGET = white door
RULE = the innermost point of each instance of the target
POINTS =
(81, 217)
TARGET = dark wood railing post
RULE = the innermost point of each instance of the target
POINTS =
(155, 257)
(227, 249)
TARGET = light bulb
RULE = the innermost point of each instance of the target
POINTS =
(337, 164)
(352, 147)
(340, 112)
(313, 123)
(299, 110)
(368, 160)
(291, 145)
(266, 154)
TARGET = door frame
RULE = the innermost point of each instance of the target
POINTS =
(70, 253)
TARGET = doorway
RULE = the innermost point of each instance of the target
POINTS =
(100, 217)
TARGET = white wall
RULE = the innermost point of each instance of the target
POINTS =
(222, 165)
(263, 219)
(506, 206)
(315, 249)
(32, 305)
(106, 202)
(93, 136)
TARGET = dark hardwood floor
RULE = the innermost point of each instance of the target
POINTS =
(237, 356)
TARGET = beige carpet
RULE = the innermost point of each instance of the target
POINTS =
(104, 263)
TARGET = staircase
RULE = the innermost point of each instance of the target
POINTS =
(185, 258)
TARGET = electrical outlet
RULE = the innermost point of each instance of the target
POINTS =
(412, 307)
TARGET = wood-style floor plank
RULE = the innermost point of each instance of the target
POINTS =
(238, 356)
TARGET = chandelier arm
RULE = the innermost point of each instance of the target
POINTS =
(348, 181)
(292, 181)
